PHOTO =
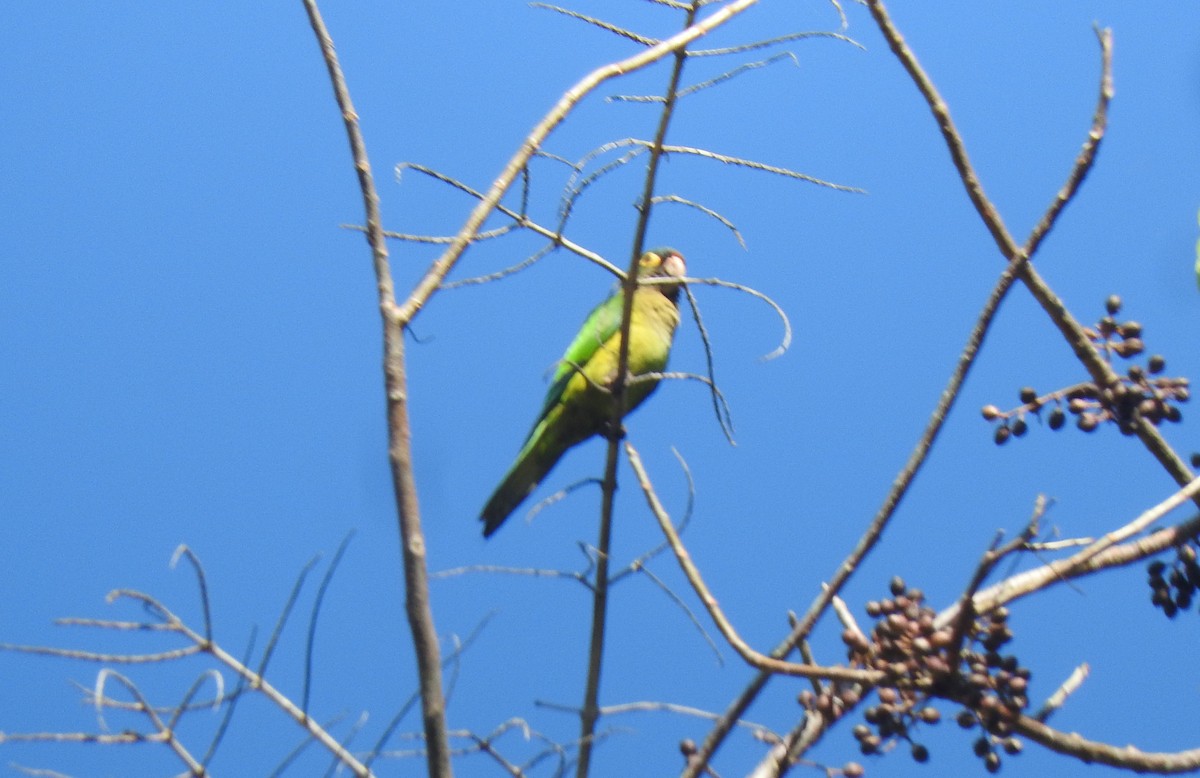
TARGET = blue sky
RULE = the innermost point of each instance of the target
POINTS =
(193, 352)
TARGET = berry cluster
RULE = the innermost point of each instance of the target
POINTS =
(1174, 590)
(1141, 394)
(922, 661)
(998, 692)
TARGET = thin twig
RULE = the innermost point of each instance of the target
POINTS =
(233, 699)
(706, 211)
(720, 406)
(525, 571)
(286, 612)
(794, 36)
(715, 81)
(621, 31)
(750, 164)
(1065, 690)
(201, 585)
(310, 641)
(519, 217)
(785, 342)
(644, 558)
(691, 616)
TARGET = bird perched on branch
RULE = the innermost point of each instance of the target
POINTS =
(579, 403)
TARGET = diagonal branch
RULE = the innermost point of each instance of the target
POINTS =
(1018, 268)
(436, 272)
(1101, 372)
(1099, 555)
(954, 142)
(768, 664)
(1089, 751)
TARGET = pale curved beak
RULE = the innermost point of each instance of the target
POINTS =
(674, 265)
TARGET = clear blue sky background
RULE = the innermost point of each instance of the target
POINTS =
(191, 353)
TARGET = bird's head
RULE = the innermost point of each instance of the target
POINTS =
(663, 262)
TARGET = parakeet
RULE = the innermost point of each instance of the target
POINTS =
(576, 407)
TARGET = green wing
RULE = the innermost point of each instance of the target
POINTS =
(601, 324)
(561, 424)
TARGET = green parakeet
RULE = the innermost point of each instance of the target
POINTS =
(578, 404)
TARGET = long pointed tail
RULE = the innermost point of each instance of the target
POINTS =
(536, 459)
(512, 491)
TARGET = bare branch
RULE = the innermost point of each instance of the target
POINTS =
(720, 406)
(638, 563)
(774, 42)
(532, 572)
(1087, 154)
(752, 657)
(201, 582)
(691, 616)
(621, 31)
(438, 270)
(416, 584)
(311, 639)
(750, 164)
(589, 713)
(1065, 690)
(716, 80)
(1089, 751)
(277, 632)
(519, 218)
(706, 211)
(954, 142)
(1017, 267)
(786, 342)
(93, 656)
(1097, 556)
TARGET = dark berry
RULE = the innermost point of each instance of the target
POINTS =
(1130, 329)
(1131, 347)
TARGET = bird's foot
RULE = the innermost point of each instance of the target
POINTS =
(614, 432)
